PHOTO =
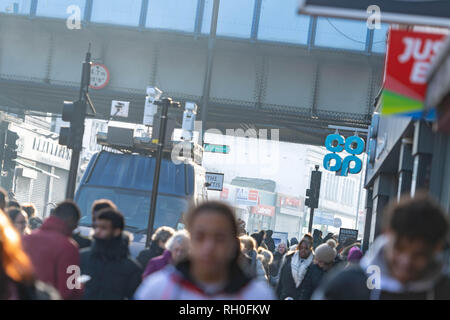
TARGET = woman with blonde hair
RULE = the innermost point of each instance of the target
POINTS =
(16, 273)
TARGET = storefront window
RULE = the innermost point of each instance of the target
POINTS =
(235, 18)
(172, 14)
(117, 12)
(15, 6)
(58, 8)
(282, 23)
(340, 33)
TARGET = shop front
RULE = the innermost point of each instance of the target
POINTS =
(289, 215)
(42, 168)
(405, 153)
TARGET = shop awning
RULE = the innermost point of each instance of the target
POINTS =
(27, 165)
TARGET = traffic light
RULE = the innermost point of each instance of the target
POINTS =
(10, 152)
(313, 192)
(74, 113)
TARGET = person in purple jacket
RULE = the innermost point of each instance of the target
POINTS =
(177, 249)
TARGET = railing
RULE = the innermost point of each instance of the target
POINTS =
(255, 20)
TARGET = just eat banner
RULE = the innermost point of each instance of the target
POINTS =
(408, 60)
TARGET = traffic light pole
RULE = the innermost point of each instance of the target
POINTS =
(76, 151)
(165, 104)
(311, 217)
(313, 193)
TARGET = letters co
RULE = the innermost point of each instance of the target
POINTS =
(336, 143)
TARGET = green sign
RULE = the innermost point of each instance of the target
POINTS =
(217, 148)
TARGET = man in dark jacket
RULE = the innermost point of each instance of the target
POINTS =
(53, 252)
(403, 263)
(269, 241)
(97, 206)
(112, 274)
(157, 245)
(317, 238)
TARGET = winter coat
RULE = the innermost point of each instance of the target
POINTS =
(275, 267)
(269, 241)
(147, 254)
(286, 285)
(317, 239)
(35, 223)
(52, 250)
(176, 283)
(157, 263)
(260, 271)
(114, 275)
(82, 241)
(36, 290)
(351, 283)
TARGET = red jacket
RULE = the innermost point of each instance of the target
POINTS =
(52, 250)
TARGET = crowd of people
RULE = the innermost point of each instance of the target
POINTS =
(216, 258)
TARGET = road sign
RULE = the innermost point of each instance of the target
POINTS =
(99, 76)
(345, 234)
(214, 181)
(120, 108)
(216, 148)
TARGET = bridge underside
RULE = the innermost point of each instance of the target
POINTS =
(298, 90)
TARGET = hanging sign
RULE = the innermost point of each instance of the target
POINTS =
(336, 144)
(408, 60)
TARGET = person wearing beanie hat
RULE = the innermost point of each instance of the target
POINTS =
(325, 254)
(354, 255)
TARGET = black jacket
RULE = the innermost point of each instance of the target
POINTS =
(147, 254)
(114, 274)
(82, 241)
(286, 285)
(276, 264)
(269, 241)
(36, 290)
(351, 284)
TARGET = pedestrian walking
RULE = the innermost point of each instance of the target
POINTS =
(293, 243)
(177, 250)
(293, 271)
(157, 246)
(268, 240)
(212, 270)
(17, 281)
(275, 267)
(112, 273)
(317, 238)
(405, 262)
(265, 259)
(53, 252)
(97, 206)
(34, 222)
(249, 247)
(259, 238)
(354, 256)
(19, 219)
